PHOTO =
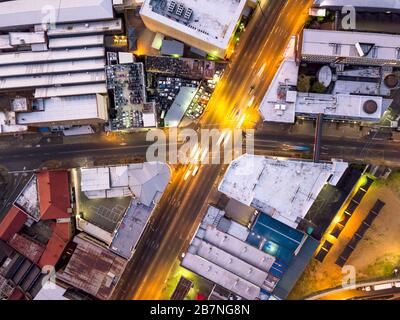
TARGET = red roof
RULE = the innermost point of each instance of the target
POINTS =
(53, 189)
(27, 247)
(17, 294)
(56, 245)
(12, 223)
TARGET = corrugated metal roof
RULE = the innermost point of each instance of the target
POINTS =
(53, 55)
(22, 13)
(52, 67)
(27, 247)
(92, 268)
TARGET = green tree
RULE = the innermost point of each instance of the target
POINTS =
(303, 83)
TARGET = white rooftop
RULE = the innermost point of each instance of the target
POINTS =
(221, 276)
(52, 67)
(45, 80)
(179, 106)
(130, 229)
(283, 189)
(339, 105)
(207, 24)
(239, 249)
(144, 181)
(343, 44)
(373, 4)
(85, 28)
(274, 106)
(54, 55)
(61, 109)
(73, 90)
(93, 179)
(71, 42)
(51, 291)
(231, 263)
(25, 13)
(8, 123)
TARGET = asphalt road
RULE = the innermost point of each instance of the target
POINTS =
(179, 211)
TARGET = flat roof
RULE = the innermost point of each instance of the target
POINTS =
(23, 13)
(93, 179)
(74, 90)
(59, 109)
(85, 28)
(53, 55)
(221, 276)
(206, 21)
(179, 106)
(340, 105)
(6, 126)
(51, 291)
(28, 199)
(322, 43)
(284, 189)
(48, 80)
(146, 181)
(93, 230)
(72, 42)
(130, 229)
(278, 104)
(172, 47)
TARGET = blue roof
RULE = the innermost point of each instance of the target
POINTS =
(281, 240)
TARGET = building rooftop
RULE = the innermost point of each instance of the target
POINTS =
(179, 106)
(342, 105)
(52, 68)
(50, 56)
(263, 183)
(22, 13)
(85, 28)
(74, 90)
(144, 181)
(27, 247)
(93, 268)
(33, 81)
(130, 229)
(61, 109)
(201, 20)
(376, 47)
(71, 42)
(60, 237)
(239, 249)
(8, 123)
(373, 5)
(54, 194)
(51, 291)
(12, 223)
(221, 276)
(279, 103)
(28, 199)
(349, 99)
